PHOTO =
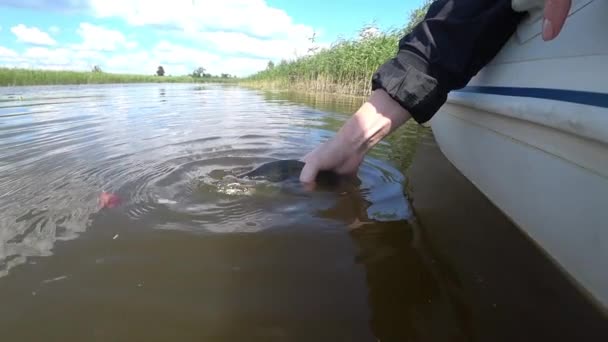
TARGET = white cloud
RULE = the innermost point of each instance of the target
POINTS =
(54, 29)
(248, 27)
(229, 36)
(138, 62)
(99, 38)
(176, 60)
(239, 66)
(180, 56)
(369, 32)
(240, 43)
(251, 16)
(48, 57)
(181, 60)
(32, 35)
(46, 5)
(55, 59)
(166, 52)
(5, 52)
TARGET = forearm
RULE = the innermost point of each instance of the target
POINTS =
(379, 116)
(453, 43)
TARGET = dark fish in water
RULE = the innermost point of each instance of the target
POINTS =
(289, 170)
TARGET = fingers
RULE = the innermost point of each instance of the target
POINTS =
(309, 173)
(555, 14)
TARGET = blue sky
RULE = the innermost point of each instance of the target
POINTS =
(224, 36)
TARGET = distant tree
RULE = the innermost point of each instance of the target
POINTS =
(198, 72)
(160, 71)
(225, 75)
(96, 68)
(270, 65)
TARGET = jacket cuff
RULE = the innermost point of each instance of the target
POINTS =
(405, 79)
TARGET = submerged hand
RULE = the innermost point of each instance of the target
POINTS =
(343, 154)
(333, 155)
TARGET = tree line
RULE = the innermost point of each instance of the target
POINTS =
(199, 72)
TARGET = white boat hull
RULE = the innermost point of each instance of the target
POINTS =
(531, 132)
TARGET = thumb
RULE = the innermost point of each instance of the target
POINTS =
(309, 173)
(555, 15)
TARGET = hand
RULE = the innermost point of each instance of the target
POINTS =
(555, 14)
(335, 155)
(376, 118)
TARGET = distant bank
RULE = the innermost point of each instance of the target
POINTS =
(23, 77)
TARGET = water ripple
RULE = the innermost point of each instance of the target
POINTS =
(172, 153)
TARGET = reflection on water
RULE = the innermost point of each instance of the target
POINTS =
(196, 253)
(174, 162)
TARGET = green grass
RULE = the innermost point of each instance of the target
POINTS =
(345, 68)
(22, 77)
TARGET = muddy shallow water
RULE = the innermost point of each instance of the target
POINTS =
(195, 253)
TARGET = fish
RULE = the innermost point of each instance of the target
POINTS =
(289, 170)
(280, 171)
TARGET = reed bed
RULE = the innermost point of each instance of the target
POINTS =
(346, 67)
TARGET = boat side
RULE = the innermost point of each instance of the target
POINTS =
(531, 132)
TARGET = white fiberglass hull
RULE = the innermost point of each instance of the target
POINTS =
(531, 132)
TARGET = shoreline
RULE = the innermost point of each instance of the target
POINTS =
(12, 77)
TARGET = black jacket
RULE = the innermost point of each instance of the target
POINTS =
(454, 41)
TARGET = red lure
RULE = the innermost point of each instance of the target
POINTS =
(108, 200)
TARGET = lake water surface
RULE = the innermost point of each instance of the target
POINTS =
(195, 253)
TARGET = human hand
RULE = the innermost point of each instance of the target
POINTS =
(555, 14)
(335, 155)
(343, 154)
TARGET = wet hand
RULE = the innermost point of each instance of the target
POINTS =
(377, 118)
(333, 155)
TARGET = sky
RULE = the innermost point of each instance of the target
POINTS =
(237, 37)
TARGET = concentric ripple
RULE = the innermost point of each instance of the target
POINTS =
(172, 153)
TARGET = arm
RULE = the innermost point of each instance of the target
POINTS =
(377, 118)
(455, 40)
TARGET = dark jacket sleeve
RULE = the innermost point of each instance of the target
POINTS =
(454, 41)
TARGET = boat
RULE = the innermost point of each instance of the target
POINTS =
(530, 131)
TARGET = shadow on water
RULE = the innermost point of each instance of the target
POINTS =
(197, 254)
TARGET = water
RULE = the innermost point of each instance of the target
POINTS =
(195, 253)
